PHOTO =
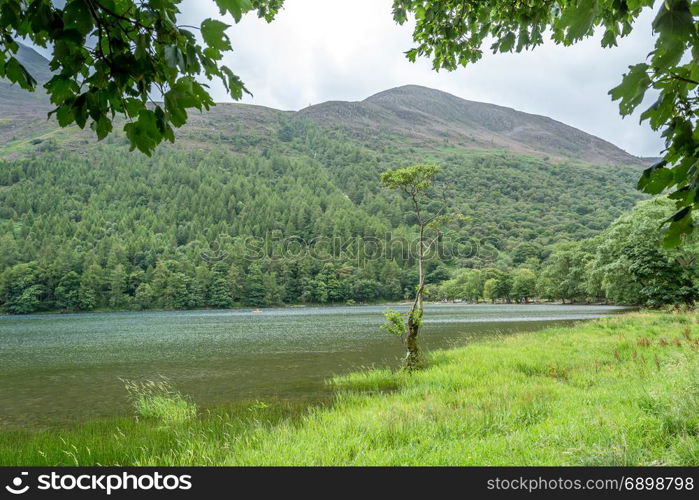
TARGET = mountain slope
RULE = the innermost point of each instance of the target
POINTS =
(418, 114)
(432, 115)
(17, 101)
(23, 113)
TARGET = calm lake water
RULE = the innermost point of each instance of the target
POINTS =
(60, 368)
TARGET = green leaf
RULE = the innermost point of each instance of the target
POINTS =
(80, 110)
(10, 13)
(395, 323)
(680, 225)
(214, 34)
(141, 51)
(143, 133)
(178, 99)
(64, 114)
(675, 26)
(632, 88)
(102, 127)
(233, 84)
(609, 39)
(77, 16)
(507, 43)
(173, 56)
(684, 196)
(39, 15)
(16, 73)
(577, 19)
(61, 88)
(236, 7)
(656, 179)
(133, 106)
(660, 112)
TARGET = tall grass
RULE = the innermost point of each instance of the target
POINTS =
(618, 391)
(158, 400)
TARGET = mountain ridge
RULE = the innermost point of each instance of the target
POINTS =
(435, 114)
(423, 115)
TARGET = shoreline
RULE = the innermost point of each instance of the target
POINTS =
(310, 305)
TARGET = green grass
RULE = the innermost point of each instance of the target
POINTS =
(618, 391)
(157, 400)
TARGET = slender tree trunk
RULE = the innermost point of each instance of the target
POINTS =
(413, 357)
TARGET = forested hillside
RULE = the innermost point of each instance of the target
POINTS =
(255, 206)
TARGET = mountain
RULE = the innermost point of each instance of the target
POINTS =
(258, 206)
(422, 115)
(432, 115)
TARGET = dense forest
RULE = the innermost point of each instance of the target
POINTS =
(296, 218)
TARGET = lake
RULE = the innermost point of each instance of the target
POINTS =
(61, 368)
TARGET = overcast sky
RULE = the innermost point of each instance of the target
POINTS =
(320, 50)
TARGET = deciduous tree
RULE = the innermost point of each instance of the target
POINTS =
(415, 184)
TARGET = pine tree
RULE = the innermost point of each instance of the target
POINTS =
(254, 293)
(68, 292)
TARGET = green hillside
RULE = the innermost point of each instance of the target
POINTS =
(255, 206)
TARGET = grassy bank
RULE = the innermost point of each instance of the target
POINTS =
(622, 390)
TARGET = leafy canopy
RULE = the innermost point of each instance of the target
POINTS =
(413, 181)
(117, 57)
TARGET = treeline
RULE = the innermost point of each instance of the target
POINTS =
(489, 284)
(30, 287)
(625, 264)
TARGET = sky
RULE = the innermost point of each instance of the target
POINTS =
(321, 50)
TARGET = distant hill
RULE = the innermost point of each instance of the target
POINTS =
(419, 114)
(433, 115)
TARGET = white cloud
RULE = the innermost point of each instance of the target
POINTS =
(316, 51)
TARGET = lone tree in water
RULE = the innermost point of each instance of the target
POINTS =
(415, 184)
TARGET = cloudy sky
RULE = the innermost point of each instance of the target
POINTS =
(320, 50)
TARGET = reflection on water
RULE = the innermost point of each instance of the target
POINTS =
(61, 368)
